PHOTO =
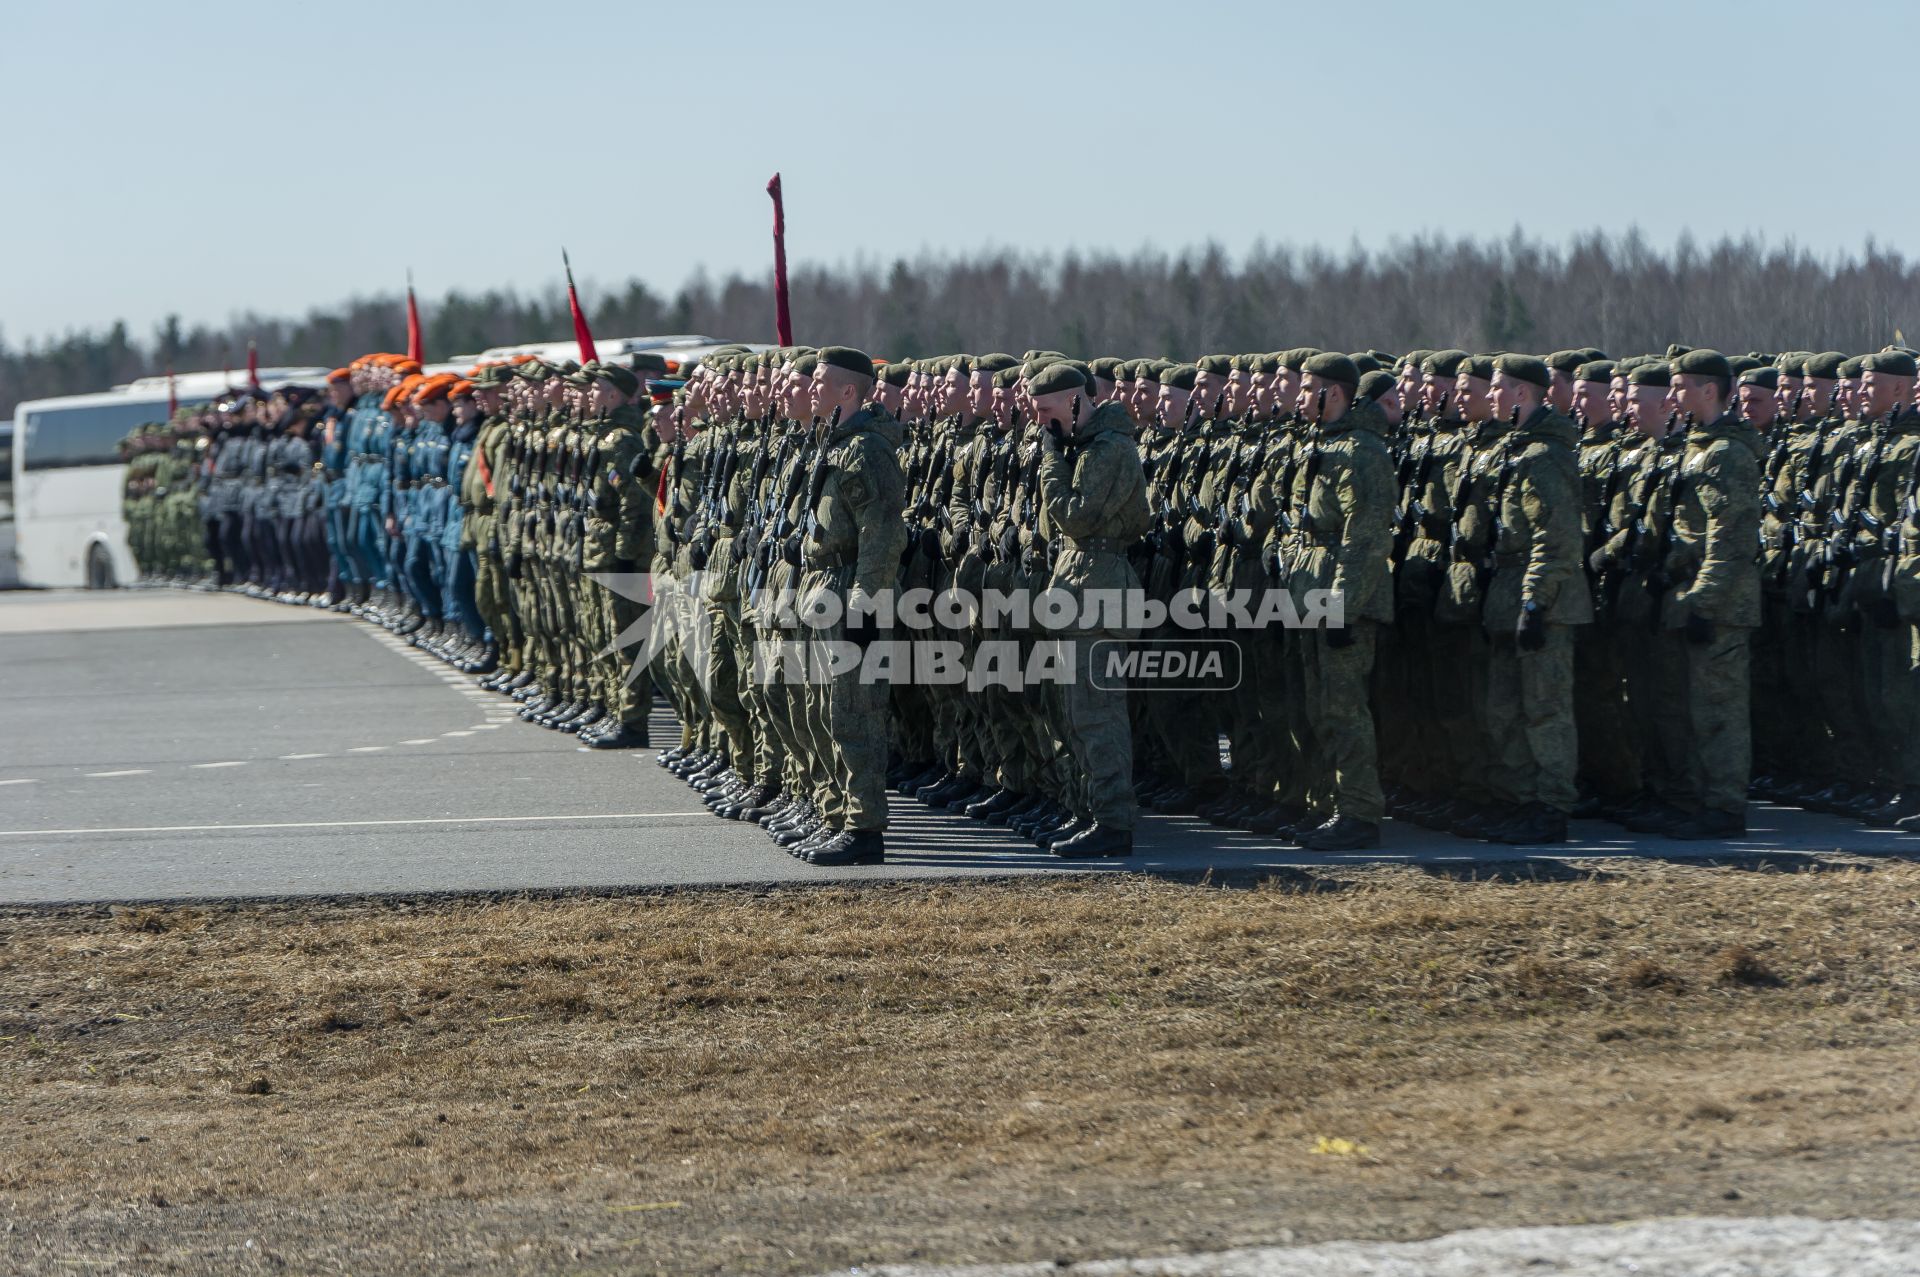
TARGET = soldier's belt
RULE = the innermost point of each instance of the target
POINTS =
(1110, 545)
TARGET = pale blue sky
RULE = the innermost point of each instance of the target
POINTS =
(216, 157)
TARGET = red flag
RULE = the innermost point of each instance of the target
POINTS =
(416, 348)
(253, 365)
(173, 398)
(581, 334)
(782, 320)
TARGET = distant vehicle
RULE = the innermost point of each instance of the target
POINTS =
(68, 479)
(9, 574)
(679, 349)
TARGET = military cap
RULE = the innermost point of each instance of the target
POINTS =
(460, 389)
(534, 370)
(1179, 376)
(1703, 363)
(1676, 350)
(1480, 366)
(1601, 370)
(1740, 363)
(1365, 362)
(1218, 365)
(1032, 355)
(1651, 372)
(340, 374)
(1444, 363)
(804, 365)
(569, 366)
(1825, 364)
(647, 362)
(1030, 368)
(847, 359)
(1592, 353)
(1386, 359)
(1296, 359)
(1055, 378)
(1106, 368)
(1376, 384)
(1413, 358)
(1268, 364)
(1766, 376)
(1006, 378)
(995, 363)
(1332, 366)
(1568, 361)
(1079, 366)
(1527, 368)
(583, 375)
(625, 380)
(962, 364)
(894, 373)
(1851, 367)
(1892, 363)
(1152, 368)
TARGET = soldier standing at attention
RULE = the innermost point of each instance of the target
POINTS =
(1714, 603)
(1536, 594)
(857, 535)
(1093, 493)
(1343, 501)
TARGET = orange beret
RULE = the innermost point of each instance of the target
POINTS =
(340, 374)
(407, 367)
(459, 388)
(521, 359)
(392, 396)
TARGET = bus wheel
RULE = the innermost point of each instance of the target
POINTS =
(99, 569)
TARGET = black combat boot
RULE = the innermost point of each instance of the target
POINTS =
(1095, 842)
(849, 847)
(1342, 833)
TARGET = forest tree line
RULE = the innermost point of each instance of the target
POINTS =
(1613, 291)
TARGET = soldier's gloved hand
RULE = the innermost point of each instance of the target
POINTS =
(1883, 613)
(1531, 632)
(1339, 636)
(1599, 561)
(1699, 629)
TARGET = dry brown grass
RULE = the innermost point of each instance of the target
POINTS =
(797, 1079)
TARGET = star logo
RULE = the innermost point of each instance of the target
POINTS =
(672, 618)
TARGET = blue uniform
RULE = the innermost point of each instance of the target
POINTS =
(462, 565)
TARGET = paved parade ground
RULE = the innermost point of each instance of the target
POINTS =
(172, 744)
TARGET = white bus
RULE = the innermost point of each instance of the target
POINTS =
(68, 479)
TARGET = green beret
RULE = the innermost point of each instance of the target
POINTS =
(1825, 364)
(1412, 359)
(1528, 368)
(1383, 358)
(896, 373)
(1765, 376)
(1365, 362)
(847, 359)
(583, 375)
(491, 377)
(1179, 376)
(623, 379)
(1035, 365)
(1268, 364)
(1444, 363)
(1792, 364)
(995, 363)
(1106, 368)
(1375, 385)
(1568, 361)
(1676, 350)
(646, 362)
(962, 364)
(1007, 378)
(534, 370)
(1595, 370)
(1296, 359)
(569, 366)
(1332, 366)
(1218, 365)
(1055, 378)
(1703, 363)
(1079, 366)
(1652, 372)
(1740, 363)
(1592, 353)
(805, 364)
(1851, 367)
(1478, 366)
(1893, 363)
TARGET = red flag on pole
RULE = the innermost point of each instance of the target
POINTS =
(416, 347)
(782, 320)
(581, 333)
(253, 365)
(173, 397)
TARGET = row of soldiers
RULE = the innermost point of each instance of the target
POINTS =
(1561, 579)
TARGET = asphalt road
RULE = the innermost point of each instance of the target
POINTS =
(169, 745)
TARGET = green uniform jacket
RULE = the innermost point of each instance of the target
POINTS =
(1094, 495)
(615, 534)
(1349, 507)
(1714, 561)
(862, 503)
(1539, 547)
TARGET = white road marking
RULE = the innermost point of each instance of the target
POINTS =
(206, 766)
(456, 733)
(348, 824)
(291, 757)
(366, 749)
(131, 771)
(420, 740)
(484, 727)
(25, 780)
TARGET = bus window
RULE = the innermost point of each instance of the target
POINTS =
(85, 436)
